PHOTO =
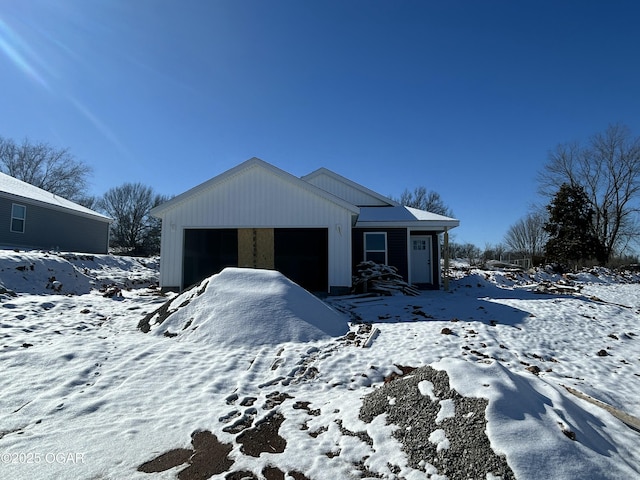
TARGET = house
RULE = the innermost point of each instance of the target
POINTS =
(33, 218)
(313, 229)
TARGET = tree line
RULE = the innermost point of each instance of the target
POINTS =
(589, 215)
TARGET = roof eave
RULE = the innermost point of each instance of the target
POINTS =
(435, 225)
(60, 208)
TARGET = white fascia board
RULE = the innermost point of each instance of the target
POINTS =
(325, 171)
(433, 225)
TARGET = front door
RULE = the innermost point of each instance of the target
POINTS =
(421, 259)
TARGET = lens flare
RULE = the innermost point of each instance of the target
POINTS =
(20, 54)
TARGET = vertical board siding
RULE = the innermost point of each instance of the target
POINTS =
(345, 191)
(53, 229)
(255, 198)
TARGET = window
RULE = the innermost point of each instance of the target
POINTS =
(18, 217)
(375, 247)
(420, 244)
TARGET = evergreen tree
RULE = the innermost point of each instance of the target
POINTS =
(570, 228)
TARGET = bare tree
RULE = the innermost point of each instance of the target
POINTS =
(527, 236)
(40, 164)
(470, 252)
(133, 229)
(424, 200)
(608, 168)
(493, 252)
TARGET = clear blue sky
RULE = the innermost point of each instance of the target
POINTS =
(463, 97)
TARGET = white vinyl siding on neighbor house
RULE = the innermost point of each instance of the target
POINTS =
(375, 247)
(18, 218)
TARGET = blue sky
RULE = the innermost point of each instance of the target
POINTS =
(463, 97)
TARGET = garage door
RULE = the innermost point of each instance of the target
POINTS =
(302, 254)
(207, 251)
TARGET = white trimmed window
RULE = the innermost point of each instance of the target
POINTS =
(375, 247)
(18, 218)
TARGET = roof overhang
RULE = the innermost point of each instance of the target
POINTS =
(404, 217)
(78, 211)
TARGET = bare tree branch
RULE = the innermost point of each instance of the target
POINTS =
(41, 165)
(429, 201)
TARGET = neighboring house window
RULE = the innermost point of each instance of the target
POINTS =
(18, 217)
(375, 247)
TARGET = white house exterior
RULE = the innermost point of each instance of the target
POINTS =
(257, 215)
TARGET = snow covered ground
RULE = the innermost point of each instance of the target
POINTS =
(85, 394)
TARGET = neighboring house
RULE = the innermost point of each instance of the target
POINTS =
(33, 218)
(313, 229)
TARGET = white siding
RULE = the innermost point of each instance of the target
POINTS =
(256, 197)
(342, 190)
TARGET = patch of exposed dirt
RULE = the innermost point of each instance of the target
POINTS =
(264, 437)
(207, 458)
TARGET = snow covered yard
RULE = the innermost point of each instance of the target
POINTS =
(85, 394)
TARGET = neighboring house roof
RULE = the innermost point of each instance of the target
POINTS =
(347, 189)
(251, 163)
(401, 215)
(20, 190)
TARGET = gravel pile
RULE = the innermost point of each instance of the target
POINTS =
(439, 429)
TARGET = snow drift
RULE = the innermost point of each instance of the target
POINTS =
(248, 307)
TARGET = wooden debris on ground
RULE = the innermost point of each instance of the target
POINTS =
(629, 420)
(561, 287)
(381, 279)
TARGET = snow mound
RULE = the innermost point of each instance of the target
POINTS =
(249, 307)
(39, 273)
(67, 273)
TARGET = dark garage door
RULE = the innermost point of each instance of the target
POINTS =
(302, 254)
(208, 251)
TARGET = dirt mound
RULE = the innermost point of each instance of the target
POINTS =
(249, 307)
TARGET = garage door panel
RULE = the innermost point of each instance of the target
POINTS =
(302, 254)
(206, 252)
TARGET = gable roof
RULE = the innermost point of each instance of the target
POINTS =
(253, 162)
(348, 188)
(22, 191)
